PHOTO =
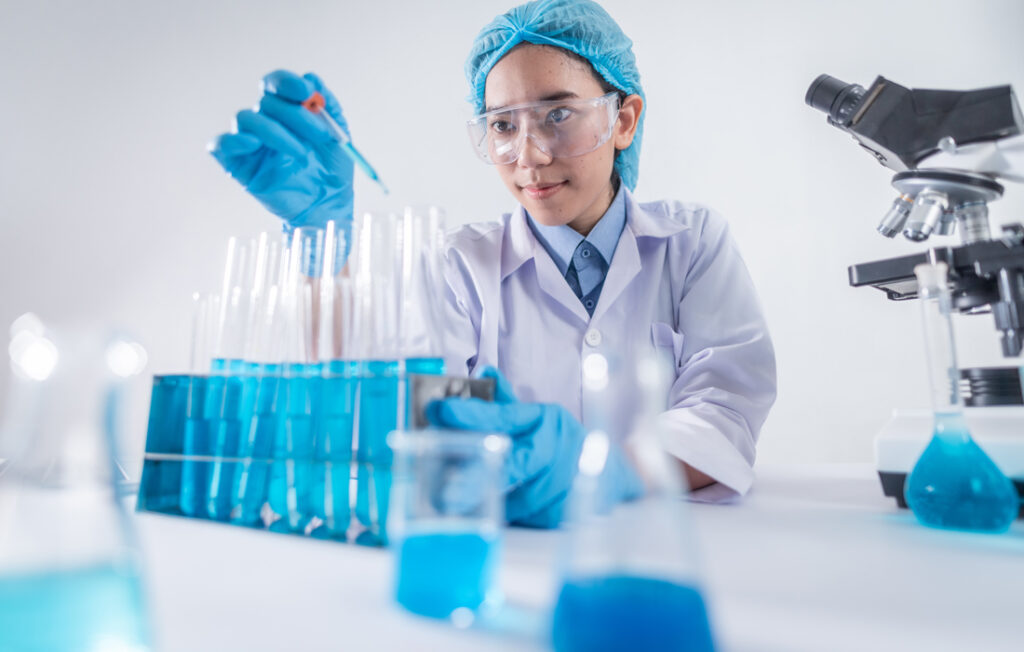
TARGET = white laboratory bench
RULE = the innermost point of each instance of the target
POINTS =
(815, 558)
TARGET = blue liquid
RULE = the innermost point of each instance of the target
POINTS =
(381, 390)
(955, 485)
(378, 415)
(434, 366)
(260, 398)
(159, 488)
(439, 573)
(630, 613)
(224, 413)
(93, 608)
(291, 475)
(196, 441)
(333, 447)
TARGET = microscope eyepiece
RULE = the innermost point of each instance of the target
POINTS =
(834, 97)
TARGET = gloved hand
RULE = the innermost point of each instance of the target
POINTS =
(543, 461)
(286, 157)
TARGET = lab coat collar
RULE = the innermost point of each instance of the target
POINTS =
(651, 223)
(518, 243)
(521, 245)
(625, 265)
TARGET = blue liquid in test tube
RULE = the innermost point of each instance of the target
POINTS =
(380, 391)
(291, 474)
(333, 448)
(196, 444)
(223, 408)
(252, 473)
(621, 612)
(432, 366)
(160, 486)
(378, 415)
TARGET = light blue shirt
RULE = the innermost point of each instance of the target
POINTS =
(563, 245)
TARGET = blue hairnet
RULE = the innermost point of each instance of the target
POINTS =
(579, 26)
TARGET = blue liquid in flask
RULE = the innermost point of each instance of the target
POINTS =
(91, 608)
(621, 612)
(440, 572)
(955, 485)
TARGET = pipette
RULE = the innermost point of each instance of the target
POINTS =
(315, 104)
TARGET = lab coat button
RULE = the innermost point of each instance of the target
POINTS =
(593, 337)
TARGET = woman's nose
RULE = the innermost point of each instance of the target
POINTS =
(532, 154)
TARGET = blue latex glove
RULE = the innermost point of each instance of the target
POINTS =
(543, 461)
(286, 157)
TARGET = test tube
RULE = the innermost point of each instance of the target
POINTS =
(422, 325)
(377, 307)
(196, 446)
(290, 493)
(334, 420)
(259, 392)
(226, 405)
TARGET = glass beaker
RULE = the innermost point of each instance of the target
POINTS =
(69, 573)
(954, 484)
(630, 571)
(447, 511)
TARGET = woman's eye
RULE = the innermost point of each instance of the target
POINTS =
(501, 126)
(561, 114)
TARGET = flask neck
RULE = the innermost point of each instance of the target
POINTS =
(951, 426)
(940, 349)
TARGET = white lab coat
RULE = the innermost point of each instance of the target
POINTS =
(676, 282)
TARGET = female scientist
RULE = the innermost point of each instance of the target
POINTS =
(579, 267)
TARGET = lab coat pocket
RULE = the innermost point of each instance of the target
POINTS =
(668, 341)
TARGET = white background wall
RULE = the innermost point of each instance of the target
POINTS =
(112, 213)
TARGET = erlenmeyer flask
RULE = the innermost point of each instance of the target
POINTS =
(69, 576)
(631, 571)
(954, 484)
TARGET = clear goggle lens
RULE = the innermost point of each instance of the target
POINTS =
(559, 128)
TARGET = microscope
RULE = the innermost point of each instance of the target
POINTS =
(950, 151)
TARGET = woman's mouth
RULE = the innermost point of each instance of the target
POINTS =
(543, 190)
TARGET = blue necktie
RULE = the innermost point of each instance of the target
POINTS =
(588, 263)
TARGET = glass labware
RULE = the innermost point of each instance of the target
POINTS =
(954, 484)
(447, 511)
(398, 330)
(69, 572)
(291, 480)
(630, 570)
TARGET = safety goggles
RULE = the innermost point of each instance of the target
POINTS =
(559, 128)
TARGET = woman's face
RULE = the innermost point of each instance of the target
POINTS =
(555, 191)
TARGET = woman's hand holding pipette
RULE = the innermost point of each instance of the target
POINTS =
(286, 156)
